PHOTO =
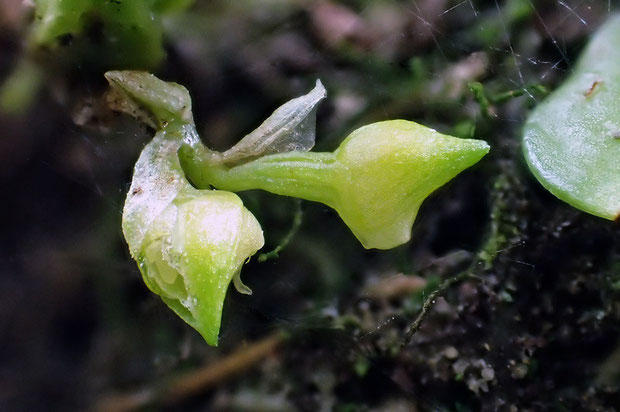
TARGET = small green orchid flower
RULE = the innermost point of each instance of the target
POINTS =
(189, 243)
(376, 180)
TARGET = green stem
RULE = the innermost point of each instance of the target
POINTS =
(305, 175)
(263, 257)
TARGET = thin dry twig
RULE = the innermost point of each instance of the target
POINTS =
(194, 382)
(395, 286)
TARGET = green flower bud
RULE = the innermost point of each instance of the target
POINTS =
(389, 168)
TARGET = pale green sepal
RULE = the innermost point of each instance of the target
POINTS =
(157, 181)
(154, 101)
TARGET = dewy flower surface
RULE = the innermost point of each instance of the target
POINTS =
(189, 243)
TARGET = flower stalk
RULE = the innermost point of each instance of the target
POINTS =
(376, 180)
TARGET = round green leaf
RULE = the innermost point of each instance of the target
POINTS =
(571, 141)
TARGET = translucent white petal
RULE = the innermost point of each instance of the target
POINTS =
(291, 127)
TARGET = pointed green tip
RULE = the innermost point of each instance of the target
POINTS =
(205, 319)
(469, 151)
(209, 319)
(477, 146)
